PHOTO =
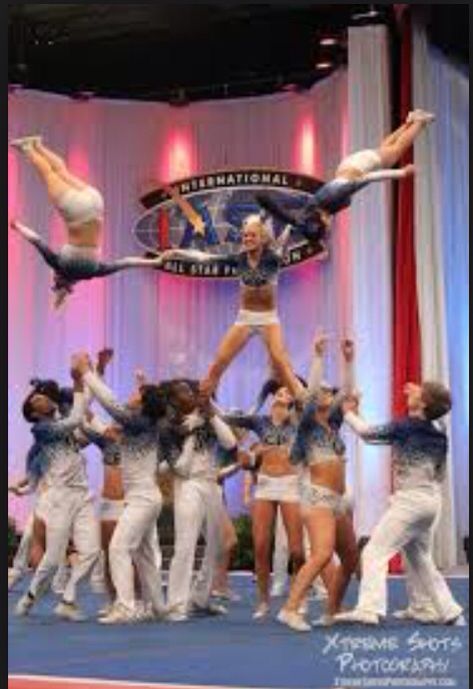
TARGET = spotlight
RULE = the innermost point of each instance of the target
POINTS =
(371, 14)
(322, 66)
(328, 41)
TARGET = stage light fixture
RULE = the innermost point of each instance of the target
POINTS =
(329, 41)
(323, 65)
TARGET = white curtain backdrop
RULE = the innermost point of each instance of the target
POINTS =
(155, 321)
(371, 286)
(441, 213)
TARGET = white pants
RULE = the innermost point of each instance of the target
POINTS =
(135, 541)
(197, 503)
(408, 525)
(22, 556)
(71, 515)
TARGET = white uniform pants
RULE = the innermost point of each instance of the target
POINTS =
(22, 556)
(197, 502)
(71, 515)
(135, 541)
(408, 525)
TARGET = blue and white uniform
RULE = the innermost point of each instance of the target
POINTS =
(419, 462)
(72, 263)
(319, 444)
(134, 539)
(197, 502)
(70, 512)
(273, 488)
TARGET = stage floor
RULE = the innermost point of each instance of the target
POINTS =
(231, 651)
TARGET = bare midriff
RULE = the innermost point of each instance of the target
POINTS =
(349, 173)
(329, 474)
(258, 298)
(86, 235)
(276, 462)
(112, 488)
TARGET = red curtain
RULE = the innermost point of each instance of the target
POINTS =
(406, 332)
(407, 355)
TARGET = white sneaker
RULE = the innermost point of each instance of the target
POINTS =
(14, 576)
(323, 621)
(69, 611)
(261, 611)
(211, 609)
(119, 614)
(177, 617)
(459, 621)
(357, 617)
(24, 605)
(25, 142)
(229, 595)
(293, 620)
(423, 616)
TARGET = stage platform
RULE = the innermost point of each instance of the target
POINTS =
(231, 651)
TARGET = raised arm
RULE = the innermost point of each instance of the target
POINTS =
(56, 429)
(317, 366)
(224, 433)
(107, 400)
(383, 434)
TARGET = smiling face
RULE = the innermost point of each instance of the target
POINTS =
(281, 405)
(252, 235)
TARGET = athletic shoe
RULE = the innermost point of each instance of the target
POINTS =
(323, 621)
(177, 617)
(25, 142)
(293, 620)
(211, 609)
(459, 621)
(120, 614)
(69, 611)
(424, 616)
(228, 595)
(24, 605)
(357, 616)
(262, 611)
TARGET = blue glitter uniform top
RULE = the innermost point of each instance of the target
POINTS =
(262, 426)
(317, 443)
(419, 449)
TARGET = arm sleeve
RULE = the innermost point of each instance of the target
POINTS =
(106, 398)
(224, 433)
(376, 435)
(199, 256)
(248, 421)
(54, 430)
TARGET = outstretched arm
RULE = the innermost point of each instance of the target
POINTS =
(317, 365)
(376, 435)
(187, 209)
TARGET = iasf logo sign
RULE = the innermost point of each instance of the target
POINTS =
(206, 212)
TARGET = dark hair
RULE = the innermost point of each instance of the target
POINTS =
(270, 387)
(154, 401)
(48, 388)
(437, 400)
(62, 283)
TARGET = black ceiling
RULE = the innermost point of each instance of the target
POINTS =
(191, 51)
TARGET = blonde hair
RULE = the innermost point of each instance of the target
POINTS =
(256, 219)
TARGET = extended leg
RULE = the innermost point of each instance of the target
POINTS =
(59, 166)
(233, 342)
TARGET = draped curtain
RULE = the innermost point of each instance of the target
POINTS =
(442, 249)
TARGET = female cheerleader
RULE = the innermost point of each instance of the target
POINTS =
(320, 449)
(82, 208)
(257, 267)
(355, 172)
(277, 485)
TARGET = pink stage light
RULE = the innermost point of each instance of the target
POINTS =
(306, 153)
(178, 161)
